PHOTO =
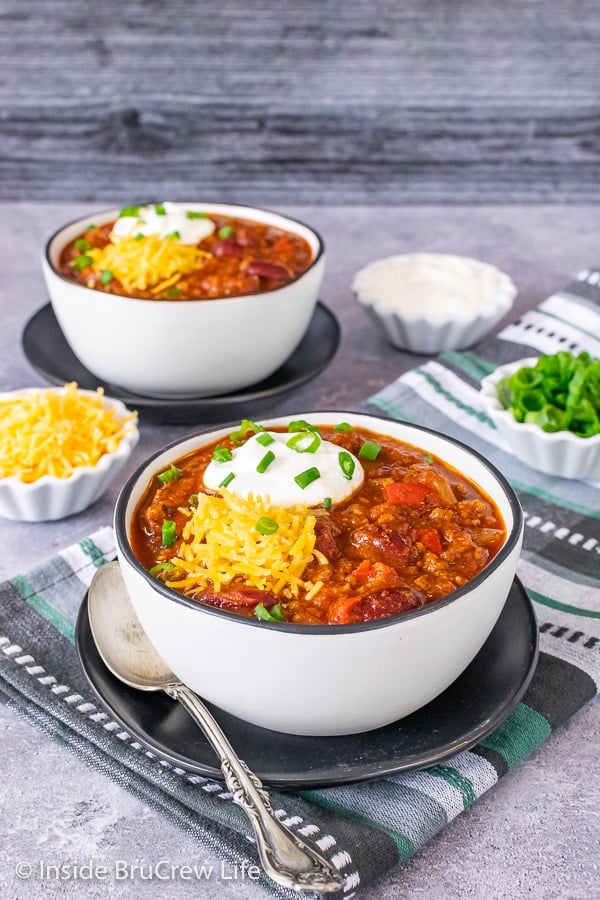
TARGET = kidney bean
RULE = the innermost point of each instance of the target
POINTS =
(267, 270)
(227, 247)
(240, 596)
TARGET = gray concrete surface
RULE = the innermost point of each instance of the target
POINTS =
(533, 836)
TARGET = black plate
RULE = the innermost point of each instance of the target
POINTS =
(47, 350)
(477, 703)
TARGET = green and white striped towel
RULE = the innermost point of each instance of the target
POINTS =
(370, 828)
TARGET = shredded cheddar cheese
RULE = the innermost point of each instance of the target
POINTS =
(45, 432)
(220, 543)
(152, 262)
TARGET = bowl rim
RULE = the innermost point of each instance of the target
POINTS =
(128, 297)
(124, 547)
(123, 450)
(504, 416)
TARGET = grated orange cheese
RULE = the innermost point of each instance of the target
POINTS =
(220, 544)
(44, 432)
(152, 262)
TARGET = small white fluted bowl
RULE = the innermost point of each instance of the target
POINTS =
(50, 498)
(184, 348)
(559, 453)
(323, 679)
(433, 302)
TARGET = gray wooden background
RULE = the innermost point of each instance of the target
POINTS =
(312, 101)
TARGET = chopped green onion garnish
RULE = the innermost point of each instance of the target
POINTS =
(160, 210)
(173, 292)
(304, 442)
(347, 464)
(428, 458)
(326, 502)
(221, 454)
(90, 226)
(226, 231)
(82, 261)
(170, 474)
(343, 426)
(245, 426)
(302, 425)
(173, 236)
(307, 477)
(370, 450)
(129, 211)
(265, 525)
(265, 439)
(227, 480)
(161, 567)
(190, 214)
(140, 237)
(168, 532)
(193, 500)
(265, 462)
(107, 276)
(275, 614)
(83, 245)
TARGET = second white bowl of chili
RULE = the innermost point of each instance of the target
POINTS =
(186, 299)
(334, 614)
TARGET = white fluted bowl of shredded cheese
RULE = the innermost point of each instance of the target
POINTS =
(433, 302)
(61, 449)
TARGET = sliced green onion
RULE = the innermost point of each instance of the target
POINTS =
(275, 614)
(246, 426)
(90, 226)
(128, 211)
(343, 426)
(302, 425)
(140, 237)
(298, 442)
(227, 480)
(83, 245)
(160, 210)
(168, 532)
(161, 567)
(82, 262)
(347, 464)
(327, 502)
(193, 501)
(265, 462)
(307, 477)
(265, 525)
(370, 450)
(265, 439)
(221, 454)
(170, 474)
(173, 292)
(226, 231)
(173, 236)
(428, 458)
(190, 214)
(106, 276)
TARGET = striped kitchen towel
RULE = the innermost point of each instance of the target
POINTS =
(365, 829)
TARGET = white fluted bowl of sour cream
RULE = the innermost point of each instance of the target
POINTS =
(432, 302)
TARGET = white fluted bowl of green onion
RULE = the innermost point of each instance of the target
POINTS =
(547, 409)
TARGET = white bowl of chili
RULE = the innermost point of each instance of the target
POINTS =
(549, 425)
(409, 566)
(388, 580)
(61, 450)
(190, 299)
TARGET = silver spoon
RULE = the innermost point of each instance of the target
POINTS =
(127, 652)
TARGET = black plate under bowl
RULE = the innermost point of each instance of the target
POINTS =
(47, 350)
(472, 707)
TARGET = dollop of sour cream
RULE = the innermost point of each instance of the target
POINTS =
(267, 466)
(165, 220)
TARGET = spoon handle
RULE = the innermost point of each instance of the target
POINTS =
(284, 856)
